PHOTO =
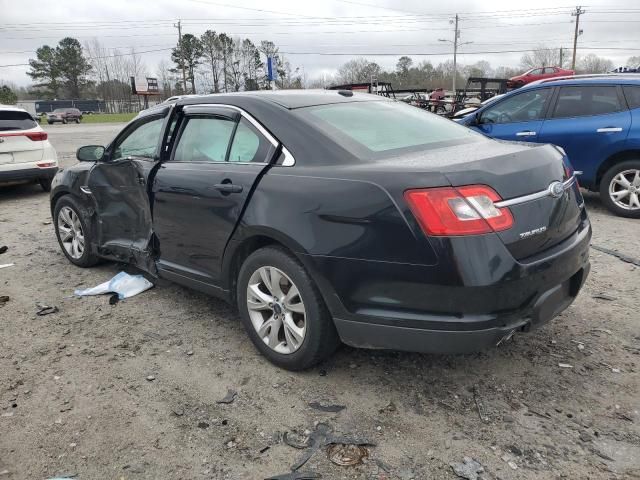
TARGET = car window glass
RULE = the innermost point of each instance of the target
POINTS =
(549, 70)
(522, 107)
(632, 93)
(141, 142)
(537, 71)
(584, 100)
(249, 145)
(15, 120)
(204, 139)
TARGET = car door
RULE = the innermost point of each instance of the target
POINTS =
(118, 186)
(200, 191)
(516, 117)
(589, 122)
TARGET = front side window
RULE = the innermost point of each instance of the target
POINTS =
(380, 128)
(537, 71)
(204, 139)
(583, 100)
(549, 70)
(523, 107)
(249, 145)
(140, 142)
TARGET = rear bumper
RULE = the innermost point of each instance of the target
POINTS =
(403, 308)
(27, 174)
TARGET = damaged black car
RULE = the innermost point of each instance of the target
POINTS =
(329, 216)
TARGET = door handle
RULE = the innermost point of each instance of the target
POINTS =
(609, 129)
(526, 134)
(141, 180)
(228, 188)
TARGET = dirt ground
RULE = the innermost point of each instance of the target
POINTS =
(130, 391)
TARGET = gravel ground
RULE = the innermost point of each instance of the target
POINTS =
(131, 391)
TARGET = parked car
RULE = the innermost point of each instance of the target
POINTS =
(538, 74)
(64, 115)
(470, 109)
(595, 119)
(328, 215)
(25, 153)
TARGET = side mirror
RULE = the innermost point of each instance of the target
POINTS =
(90, 153)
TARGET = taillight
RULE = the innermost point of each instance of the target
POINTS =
(468, 210)
(45, 164)
(37, 136)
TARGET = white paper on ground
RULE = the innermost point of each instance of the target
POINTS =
(123, 284)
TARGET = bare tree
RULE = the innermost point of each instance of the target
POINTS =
(541, 56)
(594, 64)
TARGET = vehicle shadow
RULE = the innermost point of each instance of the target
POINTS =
(21, 191)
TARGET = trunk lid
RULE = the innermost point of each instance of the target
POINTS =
(513, 170)
(15, 145)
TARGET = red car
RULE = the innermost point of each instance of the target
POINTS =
(538, 74)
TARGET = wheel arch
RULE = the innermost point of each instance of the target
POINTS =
(618, 157)
(239, 250)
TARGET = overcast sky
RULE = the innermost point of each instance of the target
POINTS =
(303, 29)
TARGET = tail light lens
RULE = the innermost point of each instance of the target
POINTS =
(34, 136)
(468, 210)
(37, 136)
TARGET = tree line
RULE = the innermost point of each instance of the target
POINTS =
(217, 62)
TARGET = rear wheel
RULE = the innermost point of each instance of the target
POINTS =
(45, 183)
(77, 120)
(620, 189)
(73, 230)
(283, 311)
(64, 120)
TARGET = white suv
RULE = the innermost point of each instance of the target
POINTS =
(25, 152)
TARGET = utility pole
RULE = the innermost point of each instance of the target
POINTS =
(579, 11)
(561, 66)
(455, 55)
(184, 75)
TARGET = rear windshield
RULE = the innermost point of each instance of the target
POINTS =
(60, 110)
(10, 120)
(381, 128)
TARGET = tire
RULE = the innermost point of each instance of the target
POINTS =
(45, 183)
(77, 120)
(64, 121)
(87, 258)
(624, 206)
(319, 338)
(50, 123)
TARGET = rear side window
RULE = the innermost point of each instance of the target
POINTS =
(12, 120)
(249, 145)
(204, 139)
(584, 100)
(377, 128)
(632, 94)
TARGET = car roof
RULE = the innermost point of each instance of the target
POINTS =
(289, 99)
(600, 79)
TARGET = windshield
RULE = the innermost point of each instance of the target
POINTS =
(14, 120)
(381, 128)
(59, 110)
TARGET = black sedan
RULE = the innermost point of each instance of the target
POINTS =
(329, 216)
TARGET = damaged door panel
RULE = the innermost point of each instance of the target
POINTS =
(119, 187)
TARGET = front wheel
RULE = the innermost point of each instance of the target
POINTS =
(72, 224)
(620, 189)
(283, 311)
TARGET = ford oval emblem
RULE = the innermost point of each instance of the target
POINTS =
(556, 189)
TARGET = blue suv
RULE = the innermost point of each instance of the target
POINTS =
(594, 119)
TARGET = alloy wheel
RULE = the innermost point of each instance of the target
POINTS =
(624, 189)
(276, 310)
(70, 232)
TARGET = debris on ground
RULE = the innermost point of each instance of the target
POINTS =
(479, 405)
(4, 299)
(3, 249)
(565, 365)
(330, 408)
(296, 476)
(621, 256)
(150, 378)
(604, 296)
(123, 284)
(346, 455)
(322, 437)
(113, 299)
(229, 397)
(468, 469)
(45, 309)
(7, 265)
(389, 407)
